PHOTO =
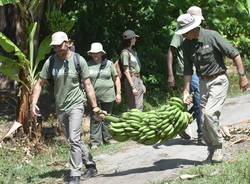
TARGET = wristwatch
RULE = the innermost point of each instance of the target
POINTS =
(242, 73)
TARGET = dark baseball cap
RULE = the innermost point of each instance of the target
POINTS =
(128, 34)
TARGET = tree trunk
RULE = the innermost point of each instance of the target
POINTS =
(24, 114)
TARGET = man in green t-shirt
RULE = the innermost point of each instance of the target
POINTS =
(176, 49)
(70, 99)
(205, 49)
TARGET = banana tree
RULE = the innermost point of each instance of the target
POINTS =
(23, 68)
(28, 64)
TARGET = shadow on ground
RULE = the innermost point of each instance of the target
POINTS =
(177, 141)
(64, 173)
(160, 165)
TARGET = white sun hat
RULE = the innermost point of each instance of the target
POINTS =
(58, 38)
(186, 23)
(195, 10)
(96, 47)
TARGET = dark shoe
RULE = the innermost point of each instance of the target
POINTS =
(92, 171)
(74, 180)
(94, 147)
(184, 135)
(209, 157)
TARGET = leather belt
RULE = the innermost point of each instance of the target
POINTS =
(135, 74)
(209, 77)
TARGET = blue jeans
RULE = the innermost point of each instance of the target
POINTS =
(194, 87)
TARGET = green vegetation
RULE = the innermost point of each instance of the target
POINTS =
(234, 89)
(235, 171)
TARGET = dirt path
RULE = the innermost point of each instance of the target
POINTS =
(143, 164)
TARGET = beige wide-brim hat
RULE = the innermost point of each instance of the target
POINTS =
(186, 23)
(58, 38)
(96, 47)
(195, 11)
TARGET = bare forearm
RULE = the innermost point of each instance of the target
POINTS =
(118, 85)
(37, 91)
(170, 62)
(129, 78)
(239, 64)
(91, 94)
(186, 83)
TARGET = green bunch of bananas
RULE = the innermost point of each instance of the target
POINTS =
(151, 127)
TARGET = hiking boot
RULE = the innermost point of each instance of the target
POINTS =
(209, 157)
(184, 135)
(217, 156)
(90, 172)
(94, 147)
(112, 141)
(74, 180)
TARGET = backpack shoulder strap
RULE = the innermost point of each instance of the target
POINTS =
(51, 64)
(78, 66)
(77, 63)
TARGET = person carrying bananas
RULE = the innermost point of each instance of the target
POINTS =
(131, 67)
(106, 83)
(176, 49)
(69, 98)
(205, 49)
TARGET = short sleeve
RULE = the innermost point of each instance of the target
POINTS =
(176, 41)
(124, 58)
(44, 74)
(224, 46)
(84, 68)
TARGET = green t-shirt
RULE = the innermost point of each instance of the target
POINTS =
(176, 42)
(104, 84)
(131, 59)
(67, 90)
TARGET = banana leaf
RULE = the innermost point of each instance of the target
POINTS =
(4, 2)
(10, 47)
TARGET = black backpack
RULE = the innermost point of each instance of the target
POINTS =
(77, 66)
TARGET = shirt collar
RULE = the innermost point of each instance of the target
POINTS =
(201, 37)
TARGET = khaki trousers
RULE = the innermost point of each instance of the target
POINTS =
(213, 96)
(71, 122)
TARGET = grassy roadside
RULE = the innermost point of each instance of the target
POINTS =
(234, 171)
(21, 165)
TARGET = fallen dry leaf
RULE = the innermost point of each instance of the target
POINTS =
(189, 176)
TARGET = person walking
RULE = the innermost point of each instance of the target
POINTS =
(176, 49)
(131, 67)
(69, 99)
(205, 49)
(107, 86)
